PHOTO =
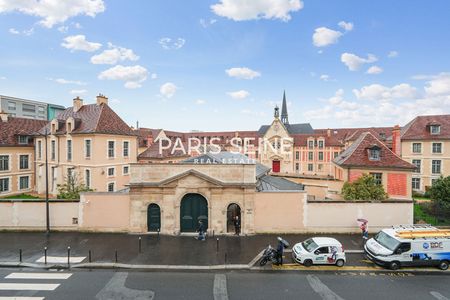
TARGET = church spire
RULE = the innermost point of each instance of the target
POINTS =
(284, 113)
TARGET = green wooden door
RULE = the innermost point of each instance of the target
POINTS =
(194, 208)
(153, 217)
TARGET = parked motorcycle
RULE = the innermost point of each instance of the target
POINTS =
(269, 254)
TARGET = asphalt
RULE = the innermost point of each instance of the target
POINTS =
(155, 250)
(109, 284)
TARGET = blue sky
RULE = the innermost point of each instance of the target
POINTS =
(223, 64)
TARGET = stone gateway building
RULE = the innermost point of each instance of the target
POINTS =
(211, 188)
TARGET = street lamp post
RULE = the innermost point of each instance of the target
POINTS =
(47, 208)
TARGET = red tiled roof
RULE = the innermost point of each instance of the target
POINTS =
(419, 128)
(357, 155)
(153, 152)
(93, 118)
(144, 133)
(14, 127)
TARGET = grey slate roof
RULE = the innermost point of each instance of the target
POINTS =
(302, 128)
(272, 183)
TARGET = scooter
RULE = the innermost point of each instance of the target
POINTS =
(269, 254)
(272, 254)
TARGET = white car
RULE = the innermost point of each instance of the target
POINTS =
(319, 250)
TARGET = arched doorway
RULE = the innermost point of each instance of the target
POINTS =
(233, 210)
(194, 208)
(153, 217)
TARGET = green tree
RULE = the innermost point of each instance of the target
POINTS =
(364, 188)
(440, 194)
(71, 188)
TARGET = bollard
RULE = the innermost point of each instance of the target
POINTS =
(20, 255)
(116, 256)
(217, 245)
(140, 244)
(158, 232)
(225, 258)
(213, 233)
(68, 256)
(90, 256)
(45, 255)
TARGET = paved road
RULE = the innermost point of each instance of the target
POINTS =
(106, 284)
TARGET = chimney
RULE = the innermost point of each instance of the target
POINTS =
(3, 116)
(77, 104)
(396, 142)
(102, 99)
(149, 140)
(328, 132)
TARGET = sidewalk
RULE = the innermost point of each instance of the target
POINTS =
(155, 250)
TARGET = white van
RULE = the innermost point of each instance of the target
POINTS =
(410, 245)
(319, 250)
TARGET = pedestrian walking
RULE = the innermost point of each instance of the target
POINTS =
(364, 228)
(201, 231)
(237, 225)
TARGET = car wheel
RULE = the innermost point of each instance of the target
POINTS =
(307, 263)
(340, 263)
(394, 265)
(263, 262)
(443, 265)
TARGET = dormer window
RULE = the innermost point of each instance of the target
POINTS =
(435, 129)
(382, 135)
(374, 153)
(23, 140)
(69, 127)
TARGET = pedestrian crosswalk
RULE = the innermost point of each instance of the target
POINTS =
(15, 283)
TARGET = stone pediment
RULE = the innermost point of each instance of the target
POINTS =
(191, 178)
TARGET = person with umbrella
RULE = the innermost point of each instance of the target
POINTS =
(364, 228)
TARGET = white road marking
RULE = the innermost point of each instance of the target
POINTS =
(28, 286)
(22, 298)
(220, 287)
(38, 276)
(320, 288)
(61, 259)
(438, 296)
(115, 289)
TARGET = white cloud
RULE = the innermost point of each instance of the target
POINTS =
(382, 112)
(26, 32)
(239, 10)
(2, 78)
(438, 85)
(325, 77)
(392, 54)
(78, 92)
(113, 55)
(65, 81)
(13, 31)
(171, 44)
(154, 76)
(200, 101)
(132, 75)
(347, 26)
(239, 94)
(63, 29)
(168, 90)
(382, 93)
(205, 23)
(374, 70)
(242, 73)
(79, 42)
(354, 62)
(77, 25)
(324, 36)
(52, 12)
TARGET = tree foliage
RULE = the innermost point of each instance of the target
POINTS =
(364, 188)
(71, 188)
(440, 194)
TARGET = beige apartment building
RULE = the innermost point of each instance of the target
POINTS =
(425, 142)
(17, 167)
(90, 143)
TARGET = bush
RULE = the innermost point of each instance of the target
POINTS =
(440, 195)
(364, 188)
(71, 189)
